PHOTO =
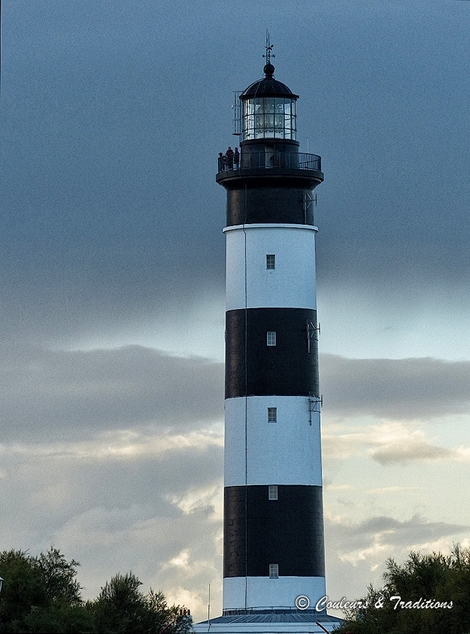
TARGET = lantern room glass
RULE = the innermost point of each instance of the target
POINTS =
(268, 118)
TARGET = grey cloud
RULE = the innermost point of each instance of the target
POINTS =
(109, 138)
(116, 513)
(58, 394)
(411, 451)
(395, 443)
(395, 388)
(149, 482)
(357, 552)
(108, 541)
(415, 530)
(55, 488)
(105, 222)
(374, 536)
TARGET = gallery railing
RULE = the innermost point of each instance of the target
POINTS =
(269, 160)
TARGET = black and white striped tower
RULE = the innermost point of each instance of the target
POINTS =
(273, 523)
(274, 570)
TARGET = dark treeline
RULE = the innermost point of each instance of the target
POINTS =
(41, 594)
(428, 594)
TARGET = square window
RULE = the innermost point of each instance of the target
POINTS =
(274, 571)
(271, 338)
(270, 261)
(272, 414)
(273, 492)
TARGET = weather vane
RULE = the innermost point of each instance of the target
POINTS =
(269, 48)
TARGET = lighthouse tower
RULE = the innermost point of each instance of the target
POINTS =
(274, 569)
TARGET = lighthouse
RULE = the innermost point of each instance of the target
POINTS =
(274, 562)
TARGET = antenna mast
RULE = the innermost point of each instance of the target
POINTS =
(269, 47)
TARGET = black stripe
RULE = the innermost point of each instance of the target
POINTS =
(269, 204)
(286, 369)
(287, 531)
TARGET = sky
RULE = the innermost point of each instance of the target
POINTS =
(112, 115)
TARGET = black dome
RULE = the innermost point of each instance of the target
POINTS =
(268, 87)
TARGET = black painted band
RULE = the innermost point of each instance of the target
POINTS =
(252, 368)
(250, 205)
(287, 531)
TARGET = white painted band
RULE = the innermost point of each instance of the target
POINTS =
(270, 225)
(290, 284)
(262, 592)
(284, 452)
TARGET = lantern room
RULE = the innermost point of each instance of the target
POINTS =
(268, 110)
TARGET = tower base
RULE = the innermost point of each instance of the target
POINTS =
(271, 622)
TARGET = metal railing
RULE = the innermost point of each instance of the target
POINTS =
(270, 160)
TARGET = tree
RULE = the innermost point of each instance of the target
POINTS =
(121, 608)
(427, 594)
(59, 577)
(21, 591)
(41, 594)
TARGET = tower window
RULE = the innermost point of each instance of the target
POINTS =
(271, 338)
(270, 261)
(272, 414)
(273, 492)
(274, 571)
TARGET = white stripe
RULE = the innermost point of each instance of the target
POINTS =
(263, 592)
(285, 452)
(290, 285)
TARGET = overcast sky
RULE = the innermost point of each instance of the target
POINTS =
(112, 276)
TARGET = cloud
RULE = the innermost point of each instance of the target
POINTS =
(387, 443)
(111, 223)
(116, 457)
(116, 510)
(392, 531)
(182, 553)
(81, 393)
(406, 389)
(357, 551)
(52, 487)
(413, 451)
(98, 228)
(371, 539)
(73, 393)
(375, 536)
